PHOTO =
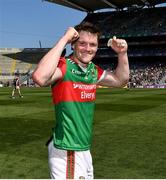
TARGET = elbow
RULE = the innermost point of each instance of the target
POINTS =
(124, 81)
(37, 79)
(121, 82)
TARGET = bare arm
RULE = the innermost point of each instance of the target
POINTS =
(120, 76)
(46, 71)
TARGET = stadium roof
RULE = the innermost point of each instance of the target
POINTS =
(93, 5)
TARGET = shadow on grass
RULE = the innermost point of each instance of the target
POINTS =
(122, 107)
(16, 101)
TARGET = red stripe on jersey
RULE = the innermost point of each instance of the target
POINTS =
(73, 91)
(62, 65)
(100, 72)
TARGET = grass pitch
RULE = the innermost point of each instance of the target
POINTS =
(129, 139)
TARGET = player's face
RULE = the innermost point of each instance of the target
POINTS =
(85, 47)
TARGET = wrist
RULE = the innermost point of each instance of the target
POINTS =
(122, 54)
(64, 39)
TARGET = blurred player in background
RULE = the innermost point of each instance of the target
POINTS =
(74, 81)
(16, 87)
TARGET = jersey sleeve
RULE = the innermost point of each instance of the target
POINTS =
(62, 65)
(101, 74)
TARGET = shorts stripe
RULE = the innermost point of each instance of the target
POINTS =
(70, 165)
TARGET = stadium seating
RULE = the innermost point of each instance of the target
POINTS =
(130, 23)
(18, 61)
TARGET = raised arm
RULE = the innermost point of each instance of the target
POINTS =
(46, 71)
(120, 76)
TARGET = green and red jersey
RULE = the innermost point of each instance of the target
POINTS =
(74, 99)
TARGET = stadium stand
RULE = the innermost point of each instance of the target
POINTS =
(93, 5)
(18, 61)
(130, 23)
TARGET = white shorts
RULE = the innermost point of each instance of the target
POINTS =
(17, 87)
(65, 164)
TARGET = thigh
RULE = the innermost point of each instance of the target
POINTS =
(84, 166)
(57, 159)
(17, 87)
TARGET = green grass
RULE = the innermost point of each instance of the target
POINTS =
(129, 138)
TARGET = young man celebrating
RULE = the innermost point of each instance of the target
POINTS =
(74, 82)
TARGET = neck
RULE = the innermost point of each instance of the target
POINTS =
(84, 65)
